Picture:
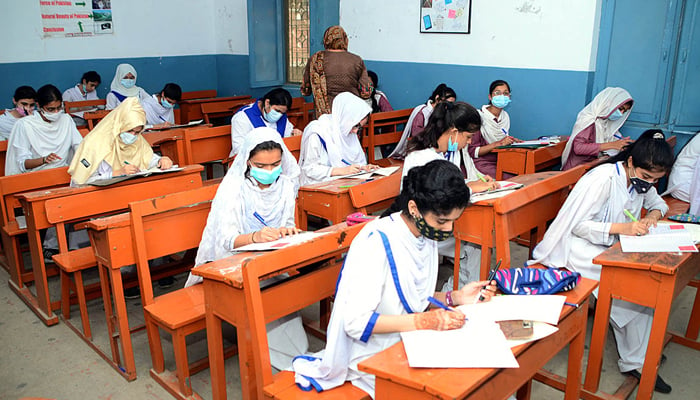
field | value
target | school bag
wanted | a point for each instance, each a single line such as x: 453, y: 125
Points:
x: 536, y: 280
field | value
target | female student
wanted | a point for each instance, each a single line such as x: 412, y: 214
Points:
x: 449, y: 130
x: 123, y: 86
x: 85, y: 90
x: 159, y: 107
x: 390, y: 270
x: 419, y: 117
x: 24, y: 100
x: 380, y: 103
x: 255, y: 203
x: 330, y: 145
x: 593, y: 216
x: 116, y: 147
x: 597, y: 128
x: 45, y: 139
x: 270, y: 110
x: 681, y: 179
x: 495, y: 128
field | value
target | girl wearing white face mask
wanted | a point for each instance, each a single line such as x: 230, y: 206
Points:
x: 115, y: 147
x: 123, y: 86
x: 159, y: 107
x: 270, y: 110
x: 46, y: 139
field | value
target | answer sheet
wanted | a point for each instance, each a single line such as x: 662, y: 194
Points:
x: 660, y: 239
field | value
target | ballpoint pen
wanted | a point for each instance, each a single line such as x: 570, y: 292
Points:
x: 492, y: 275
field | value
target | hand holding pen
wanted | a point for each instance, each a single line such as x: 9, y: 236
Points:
x: 128, y: 169
x: 487, y: 290
x: 268, y: 233
x: 440, y: 319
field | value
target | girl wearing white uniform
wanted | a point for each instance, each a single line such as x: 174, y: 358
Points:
x: 330, y: 146
x: 591, y: 219
x: 85, y: 90
x: 123, y: 86
x: 255, y: 203
x: 46, y: 139
x: 159, y: 107
x: 390, y: 270
x: 681, y: 180
x: 115, y: 147
x: 270, y: 110
x: 446, y: 136
x: 419, y: 118
x: 24, y: 100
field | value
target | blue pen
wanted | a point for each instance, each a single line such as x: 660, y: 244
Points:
x: 617, y: 136
x: 345, y: 162
x: 161, y: 118
x: 504, y: 131
x: 574, y: 305
x: 259, y: 218
x: 438, y: 303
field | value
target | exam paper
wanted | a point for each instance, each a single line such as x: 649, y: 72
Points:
x: 660, y: 239
x: 544, y: 308
x: 386, y: 171
x: 505, y: 188
x: 281, y: 243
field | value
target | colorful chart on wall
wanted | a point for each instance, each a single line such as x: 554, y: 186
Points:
x: 76, y: 18
x: 445, y: 16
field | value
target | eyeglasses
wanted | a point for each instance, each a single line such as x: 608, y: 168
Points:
x: 498, y: 93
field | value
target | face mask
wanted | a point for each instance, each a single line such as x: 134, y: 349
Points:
x: 264, y: 176
x: 84, y: 88
x: 273, y: 115
x: 128, y: 83
x: 452, y: 147
x: 21, y: 111
x: 429, y: 232
x: 500, y: 101
x: 52, y: 117
x: 615, y: 115
x: 165, y: 103
x: 639, y: 184
x: 127, y: 138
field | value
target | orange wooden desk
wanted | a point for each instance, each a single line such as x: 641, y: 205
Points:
x: 225, y: 297
x: 191, y: 110
x: 652, y: 280
x: 34, y: 208
x: 520, y: 161
x: 396, y: 380
x: 3, y: 155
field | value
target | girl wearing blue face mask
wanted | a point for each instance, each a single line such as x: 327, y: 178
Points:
x: 159, y: 107
x: 270, y: 111
x: 123, y: 86
x: 590, y: 221
x: 596, y: 131
x: 495, y: 128
x: 115, y: 147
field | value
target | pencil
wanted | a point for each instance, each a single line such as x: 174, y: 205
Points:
x: 630, y: 216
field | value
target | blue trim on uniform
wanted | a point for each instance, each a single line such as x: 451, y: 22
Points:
x: 394, y: 272
x: 118, y: 95
x: 313, y: 384
x: 256, y: 118
x: 369, y: 328
x: 323, y: 143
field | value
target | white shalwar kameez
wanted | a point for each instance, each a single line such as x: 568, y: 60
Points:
x: 328, y: 142
x: 233, y: 213
x: 580, y: 232
x: 7, y: 122
x: 74, y: 94
x: 155, y: 112
x: 402, y: 146
x: 241, y: 125
x: 366, y: 290
x: 681, y: 177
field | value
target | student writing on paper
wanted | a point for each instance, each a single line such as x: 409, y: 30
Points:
x: 115, y: 147
x: 596, y: 130
x: 590, y: 221
x: 495, y: 128
x: 330, y: 145
x: 123, y: 86
x: 159, y: 107
x: 388, y: 275
x: 270, y: 110
x: 420, y: 116
x: 683, y: 180
x: 24, y: 101
x: 255, y: 203
x: 85, y: 90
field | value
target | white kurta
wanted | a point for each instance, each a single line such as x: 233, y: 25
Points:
x: 580, y: 232
x: 7, y: 121
x: 681, y: 177
x: 74, y: 94
x: 241, y: 125
x: 401, y: 147
x: 155, y: 112
x: 367, y: 289
x: 113, y: 101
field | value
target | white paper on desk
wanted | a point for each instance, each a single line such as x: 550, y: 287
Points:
x: 505, y: 188
x: 476, y: 345
x: 693, y: 229
x: 529, y: 143
x: 539, y: 330
x: 544, y: 308
x: 282, y: 243
x: 156, y: 170
x: 21, y: 221
x: 660, y: 239
x: 386, y: 171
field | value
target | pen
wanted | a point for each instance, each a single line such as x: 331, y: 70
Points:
x: 438, y: 303
x: 345, y: 162
x: 630, y: 216
x: 481, y: 177
x: 504, y: 131
x: 259, y: 218
x: 574, y: 305
x: 492, y: 275
x: 161, y: 118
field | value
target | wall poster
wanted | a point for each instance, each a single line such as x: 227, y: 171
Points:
x: 62, y: 18
x: 445, y: 16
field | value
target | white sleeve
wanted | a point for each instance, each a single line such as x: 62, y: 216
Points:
x: 652, y: 201
x: 240, y: 126
x: 112, y: 101
x: 20, y: 146
x: 154, y: 161
x: 288, y: 129
x: 589, y: 228
x: 104, y: 171
x: 171, y: 116
x: 316, y: 165
x: 695, y: 190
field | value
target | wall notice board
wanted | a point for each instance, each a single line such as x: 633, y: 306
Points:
x: 62, y: 18
x: 445, y: 16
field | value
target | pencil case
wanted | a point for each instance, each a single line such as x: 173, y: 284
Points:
x: 358, y: 218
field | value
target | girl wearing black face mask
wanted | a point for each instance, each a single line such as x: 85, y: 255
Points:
x: 593, y: 216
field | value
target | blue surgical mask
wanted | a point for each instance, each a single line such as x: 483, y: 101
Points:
x: 265, y: 176
x: 165, y: 103
x: 84, y: 88
x: 500, y: 101
x: 128, y: 83
x: 127, y: 137
x: 452, y: 147
x: 273, y: 115
x: 615, y: 115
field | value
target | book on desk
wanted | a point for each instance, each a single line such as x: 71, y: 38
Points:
x: 141, y: 174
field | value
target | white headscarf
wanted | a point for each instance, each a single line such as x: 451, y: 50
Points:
x: 239, y: 197
x: 44, y: 138
x: 400, y: 150
x: 335, y: 130
x: 598, y: 111
x: 124, y: 69
x: 492, y: 130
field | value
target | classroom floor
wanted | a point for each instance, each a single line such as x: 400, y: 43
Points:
x: 52, y: 362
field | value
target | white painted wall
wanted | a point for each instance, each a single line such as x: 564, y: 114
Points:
x: 542, y: 34
x: 231, y: 26
x: 142, y: 28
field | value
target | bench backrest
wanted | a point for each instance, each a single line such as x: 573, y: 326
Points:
x: 293, y: 143
x: 377, y: 194
x: 3, y: 156
x: 198, y: 94
x: 301, y: 113
x: 222, y: 109
x: 94, y: 117
x: 28, y: 182
x: 384, y: 128
x: 71, y: 106
x: 205, y: 145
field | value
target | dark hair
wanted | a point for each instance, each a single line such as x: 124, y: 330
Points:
x: 375, y: 81
x: 172, y: 91
x: 24, y: 92
x: 445, y: 116
x: 496, y: 83
x: 91, y: 76
x: 436, y: 187
x: 263, y: 146
x: 48, y: 94
x: 650, y: 152
x: 278, y: 97
x: 442, y: 92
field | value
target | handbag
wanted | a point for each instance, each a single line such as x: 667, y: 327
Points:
x: 536, y: 280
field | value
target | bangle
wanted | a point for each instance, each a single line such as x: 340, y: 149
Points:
x: 43, y: 160
x: 448, y: 299
x: 252, y: 237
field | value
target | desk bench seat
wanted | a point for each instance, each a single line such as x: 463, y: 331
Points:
x: 178, y: 308
x: 284, y: 387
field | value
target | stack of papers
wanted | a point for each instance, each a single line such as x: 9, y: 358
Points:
x: 660, y: 239
x: 386, y: 171
x: 506, y: 187
x: 281, y: 243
